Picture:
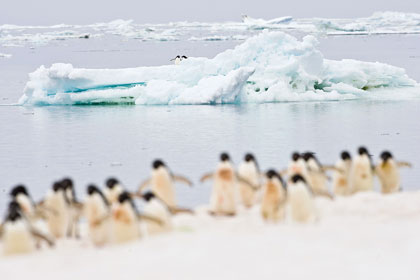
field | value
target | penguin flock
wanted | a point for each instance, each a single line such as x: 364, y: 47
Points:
x: 112, y: 216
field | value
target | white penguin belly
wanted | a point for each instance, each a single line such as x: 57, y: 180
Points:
x: 17, y: 239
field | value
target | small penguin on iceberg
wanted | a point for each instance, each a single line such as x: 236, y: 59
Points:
x: 177, y: 60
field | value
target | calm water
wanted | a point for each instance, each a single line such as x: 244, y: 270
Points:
x: 90, y: 143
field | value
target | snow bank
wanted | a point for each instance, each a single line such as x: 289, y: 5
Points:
x: 270, y: 67
x: 366, y: 236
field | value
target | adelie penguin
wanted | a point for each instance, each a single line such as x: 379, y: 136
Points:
x: 155, y: 207
x: 18, y: 235
x: 249, y: 170
x: 224, y: 197
x: 21, y: 195
x: 75, y: 208
x: 177, y: 60
x: 341, y: 174
x: 162, y: 182
x: 97, y: 211
x: 388, y: 172
x: 297, y: 165
x: 125, y: 219
x: 58, y: 219
x: 300, y: 200
x: 316, y: 176
x: 361, y: 174
x: 113, y: 189
x: 274, y: 197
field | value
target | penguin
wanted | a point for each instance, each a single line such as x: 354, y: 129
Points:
x: 224, y: 197
x: 297, y: 165
x: 341, y: 174
x: 59, y: 218
x: 316, y: 176
x: 113, y: 190
x: 75, y: 208
x: 125, y: 226
x: 274, y: 197
x: 300, y: 200
x: 162, y: 182
x: 157, y: 208
x: 19, y: 237
x: 21, y: 195
x: 97, y: 212
x: 177, y: 60
x: 361, y: 174
x: 388, y: 172
x: 249, y: 170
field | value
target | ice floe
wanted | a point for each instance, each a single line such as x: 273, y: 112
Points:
x: 270, y: 67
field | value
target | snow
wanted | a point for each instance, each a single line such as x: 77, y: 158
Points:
x: 269, y: 67
x: 365, y: 236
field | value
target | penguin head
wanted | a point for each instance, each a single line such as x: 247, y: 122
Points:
x: 298, y: 178
x: 295, y: 156
x: 386, y: 155
x: 271, y: 174
x: 308, y: 155
x: 345, y: 155
x: 148, y: 196
x: 111, y: 183
x: 363, y: 151
x: 13, y: 212
x: 67, y: 183
x: 224, y: 157
x: 19, y: 189
x: 249, y: 157
x: 92, y: 189
x: 184, y: 57
x: 57, y: 186
x: 158, y: 163
x: 178, y: 56
x: 124, y: 197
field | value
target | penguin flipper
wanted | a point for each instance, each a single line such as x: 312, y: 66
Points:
x: 283, y: 172
x: 177, y: 210
x: 246, y: 182
x: 324, y: 193
x: 206, y: 177
x: 150, y: 218
x: 144, y: 184
x: 325, y: 168
x: 36, y: 233
x: 404, y: 164
x: 182, y: 179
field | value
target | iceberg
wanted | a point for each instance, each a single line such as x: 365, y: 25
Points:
x: 269, y: 67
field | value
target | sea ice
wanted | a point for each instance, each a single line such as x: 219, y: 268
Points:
x: 270, y: 67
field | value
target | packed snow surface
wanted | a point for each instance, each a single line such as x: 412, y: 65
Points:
x: 365, y: 236
x: 378, y: 23
x: 269, y: 67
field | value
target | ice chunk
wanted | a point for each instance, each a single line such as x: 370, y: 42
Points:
x: 270, y: 67
x: 5, y: 55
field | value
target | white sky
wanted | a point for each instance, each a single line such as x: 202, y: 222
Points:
x: 90, y: 11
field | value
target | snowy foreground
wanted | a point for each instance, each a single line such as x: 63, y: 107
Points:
x: 366, y: 236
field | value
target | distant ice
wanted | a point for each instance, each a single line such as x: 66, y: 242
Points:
x: 378, y: 23
x: 5, y: 55
x: 270, y: 67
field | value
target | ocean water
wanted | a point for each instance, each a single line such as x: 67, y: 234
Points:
x: 90, y: 143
